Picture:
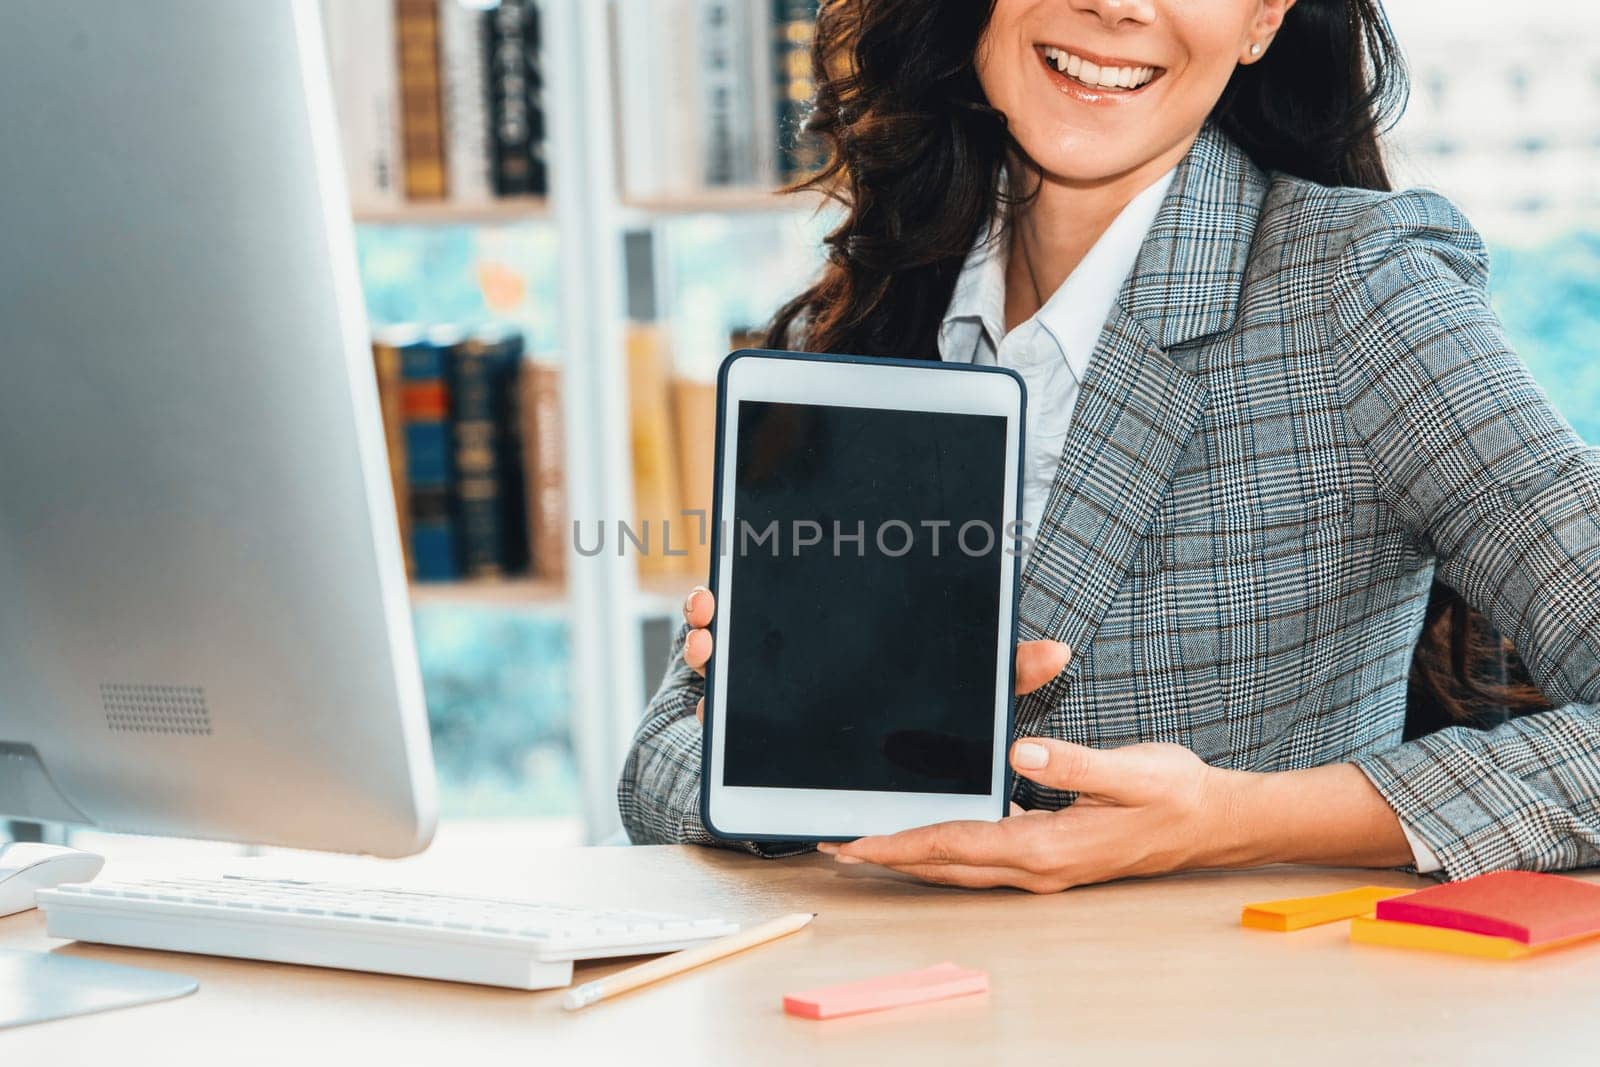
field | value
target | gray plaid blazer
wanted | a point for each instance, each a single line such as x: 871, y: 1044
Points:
x: 1300, y: 407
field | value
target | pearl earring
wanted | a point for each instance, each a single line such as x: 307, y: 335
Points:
x: 1255, y: 49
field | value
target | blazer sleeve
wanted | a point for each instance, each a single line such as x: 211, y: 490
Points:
x: 1468, y: 452
x: 659, y: 791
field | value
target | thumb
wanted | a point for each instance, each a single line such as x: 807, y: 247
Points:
x: 1038, y: 662
x: 1063, y: 765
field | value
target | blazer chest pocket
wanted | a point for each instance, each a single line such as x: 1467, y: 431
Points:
x: 1232, y: 611
x: 1185, y: 539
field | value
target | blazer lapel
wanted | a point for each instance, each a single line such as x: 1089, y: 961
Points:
x: 1137, y: 407
x: 1135, y: 412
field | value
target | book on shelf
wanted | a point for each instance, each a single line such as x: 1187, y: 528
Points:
x: 738, y: 144
x: 386, y: 359
x: 477, y: 477
x: 421, y: 103
x: 799, y: 153
x: 704, y: 92
x: 430, y: 465
x: 723, y: 151
x: 544, y: 468
x: 515, y: 80
x: 672, y: 407
x: 464, y: 96
x: 438, y: 100
x: 657, y: 492
x: 694, y: 425
x: 366, y: 91
x: 653, y: 88
x: 487, y: 433
x: 509, y: 365
x: 475, y: 451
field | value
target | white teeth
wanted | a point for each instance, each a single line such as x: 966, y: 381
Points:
x: 1080, y: 69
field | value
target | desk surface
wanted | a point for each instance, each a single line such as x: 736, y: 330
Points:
x: 1124, y: 973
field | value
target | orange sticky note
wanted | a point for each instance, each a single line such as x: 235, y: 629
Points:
x: 889, y: 991
x: 1297, y: 913
x: 1519, y: 905
x: 1442, y: 939
x: 1370, y: 931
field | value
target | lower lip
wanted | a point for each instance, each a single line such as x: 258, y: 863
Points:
x: 1083, y: 94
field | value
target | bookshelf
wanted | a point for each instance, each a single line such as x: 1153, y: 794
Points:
x: 724, y: 201
x: 657, y: 597
x: 512, y: 593
x: 451, y: 213
x: 614, y: 617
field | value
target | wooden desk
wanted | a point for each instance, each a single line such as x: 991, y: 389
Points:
x: 1137, y: 972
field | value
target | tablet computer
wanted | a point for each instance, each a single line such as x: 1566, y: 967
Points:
x: 865, y: 562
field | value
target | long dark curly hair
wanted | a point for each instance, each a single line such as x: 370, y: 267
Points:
x: 915, y: 155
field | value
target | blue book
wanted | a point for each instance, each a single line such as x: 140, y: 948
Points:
x: 425, y: 406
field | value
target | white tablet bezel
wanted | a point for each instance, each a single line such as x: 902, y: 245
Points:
x: 761, y: 813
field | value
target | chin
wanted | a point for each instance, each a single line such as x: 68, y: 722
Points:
x: 1084, y: 159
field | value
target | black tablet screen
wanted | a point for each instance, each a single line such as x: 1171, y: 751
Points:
x: 867, y: 547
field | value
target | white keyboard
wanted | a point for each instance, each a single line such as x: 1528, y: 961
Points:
x: 511, y: 943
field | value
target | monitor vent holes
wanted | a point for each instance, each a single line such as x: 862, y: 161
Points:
x: 156, y: 709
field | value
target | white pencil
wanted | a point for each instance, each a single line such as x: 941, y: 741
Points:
x: 667, y: 966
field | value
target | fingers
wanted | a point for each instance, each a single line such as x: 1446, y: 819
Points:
x: 697, y: 650
x: 1063, y: 765
x: 1038, y: 662
x: 962, y: 876
x: 698, y: 608
x: 982, y: 844
x: 968, y: 855
x: 700, y: 710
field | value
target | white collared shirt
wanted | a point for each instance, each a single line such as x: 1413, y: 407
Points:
x: 1051, y: 350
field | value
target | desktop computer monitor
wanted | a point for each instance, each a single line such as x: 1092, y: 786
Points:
x: 204, y: 622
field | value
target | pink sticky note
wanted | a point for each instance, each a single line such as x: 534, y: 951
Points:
x: 1524, y: 906
x: 889, y: 991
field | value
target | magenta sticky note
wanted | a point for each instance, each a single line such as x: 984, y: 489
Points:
x: 889, y: 991
x: 1524, y: 906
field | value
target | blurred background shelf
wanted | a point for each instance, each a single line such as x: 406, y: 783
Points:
x: 450, y: 213
x: 507, y: 593
x: 725, y: 201
x: 656, y: 598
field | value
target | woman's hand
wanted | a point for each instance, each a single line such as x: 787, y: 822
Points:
x: 1037, y: 661
x: 1145, y: 810
x: 1141, y: 810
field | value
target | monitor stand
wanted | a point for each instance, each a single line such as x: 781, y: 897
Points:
x: 36, y: 987
x: 26, y: 786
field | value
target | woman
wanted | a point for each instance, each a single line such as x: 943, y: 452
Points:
x: 1268, y: 402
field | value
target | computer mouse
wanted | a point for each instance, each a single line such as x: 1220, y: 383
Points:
x: 26, y: 868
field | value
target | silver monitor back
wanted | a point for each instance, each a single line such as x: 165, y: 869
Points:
x: 204, y: 621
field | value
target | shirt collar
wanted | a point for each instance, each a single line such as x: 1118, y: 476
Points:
x: 1076, y: 312
x: 979, y: 298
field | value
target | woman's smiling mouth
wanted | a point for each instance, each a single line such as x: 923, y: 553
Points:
x: 1095, y: 74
